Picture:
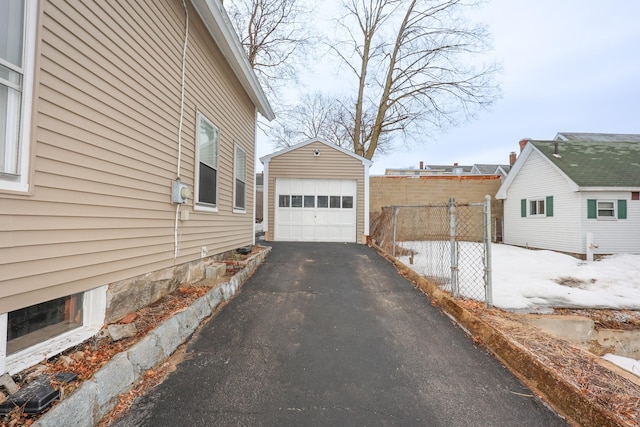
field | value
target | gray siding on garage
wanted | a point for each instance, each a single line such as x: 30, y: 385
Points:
x: 330, y: 164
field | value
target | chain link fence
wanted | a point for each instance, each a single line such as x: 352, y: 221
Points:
x: 449, y: 244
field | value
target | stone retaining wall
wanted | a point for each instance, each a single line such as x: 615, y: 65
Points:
x: 96, y: 397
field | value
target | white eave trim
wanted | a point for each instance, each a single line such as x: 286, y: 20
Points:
x: 610, y: 189
x: 515, y: 169
x: 364, y: 160
x: 219, y: 26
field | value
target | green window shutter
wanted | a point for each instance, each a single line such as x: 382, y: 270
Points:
x: 523, y: 208
x: 549, y: 206
x: 591, y: 208
x: 622, y: 209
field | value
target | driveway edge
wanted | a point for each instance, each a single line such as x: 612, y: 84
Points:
x: 97, y: 396
x: 561, y: 395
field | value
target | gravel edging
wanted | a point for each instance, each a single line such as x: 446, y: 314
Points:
x: 96, y: 397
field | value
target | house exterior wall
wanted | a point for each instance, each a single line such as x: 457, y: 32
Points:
x: 611, y: 236
x: 330, y: 164
x: 105, y: 150
x: 561, y: 232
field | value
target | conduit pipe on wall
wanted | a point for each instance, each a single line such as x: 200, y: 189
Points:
x: 182, y: 86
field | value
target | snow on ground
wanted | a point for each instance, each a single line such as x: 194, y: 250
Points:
x: 526, y: 280
x: 630, y: 365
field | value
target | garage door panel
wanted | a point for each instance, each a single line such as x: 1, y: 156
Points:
x: 316, y: 211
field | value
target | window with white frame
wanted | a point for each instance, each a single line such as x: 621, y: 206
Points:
x: 536, y: 207
x: 17, y: 23
x: 207, y: 164
x: 240, y: 179
x: 50, y: 327
x: 607, y: 209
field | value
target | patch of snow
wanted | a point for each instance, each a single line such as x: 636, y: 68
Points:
x: 526, y: 279
x: 630, y: 365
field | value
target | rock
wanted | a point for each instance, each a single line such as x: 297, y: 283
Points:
x: 118, y: 332
x: 7, y: 382
x: 66, y: 360
x: 129, y: 318
x: 78, y: 355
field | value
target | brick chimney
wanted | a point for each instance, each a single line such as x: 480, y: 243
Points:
x: 512, y: 158
x: 523, y: 142
x: 421, y: 164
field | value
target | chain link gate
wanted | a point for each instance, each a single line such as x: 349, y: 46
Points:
x: 449, y: 244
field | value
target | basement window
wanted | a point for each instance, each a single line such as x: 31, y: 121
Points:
x: 40, y: 322
x: 29, y: 334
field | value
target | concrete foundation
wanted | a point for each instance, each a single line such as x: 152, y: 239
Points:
x: 129, y: 295
x: 582, y: 332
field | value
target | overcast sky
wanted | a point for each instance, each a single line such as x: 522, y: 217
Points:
x: 568, y: 66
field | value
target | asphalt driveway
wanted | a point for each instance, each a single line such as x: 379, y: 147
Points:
x: 330, y: 334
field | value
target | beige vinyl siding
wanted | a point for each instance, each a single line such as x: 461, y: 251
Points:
x: 106, y: 147
x: 330, y: 164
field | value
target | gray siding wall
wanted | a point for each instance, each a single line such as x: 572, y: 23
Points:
x: 331, y: 164
x: 105, y: 150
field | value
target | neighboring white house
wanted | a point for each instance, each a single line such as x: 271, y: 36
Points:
x: 558, y: 192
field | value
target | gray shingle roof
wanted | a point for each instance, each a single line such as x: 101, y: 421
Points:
x: 596, y: 163
x: 599, y: 137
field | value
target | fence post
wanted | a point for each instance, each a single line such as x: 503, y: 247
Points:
x: 488, y: 286
x: 452, y: 244
x: 395, y: 216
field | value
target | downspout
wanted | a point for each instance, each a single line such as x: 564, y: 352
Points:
x: 265, y: 200
x: 365, y: 236
x: 255, y: 157
x: 182, y: 85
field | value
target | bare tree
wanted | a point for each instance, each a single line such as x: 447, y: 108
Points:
x: 317, y: 115
x: 413, y: 61
x: 274, y: 35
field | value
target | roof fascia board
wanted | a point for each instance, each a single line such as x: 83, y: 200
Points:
x: 221, y: 30
x: 515, y: 169
x: 610, y: 188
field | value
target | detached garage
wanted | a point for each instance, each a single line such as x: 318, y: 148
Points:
x: 316, y: 191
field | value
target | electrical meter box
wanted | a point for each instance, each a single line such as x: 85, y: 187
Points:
x: 180, y: 192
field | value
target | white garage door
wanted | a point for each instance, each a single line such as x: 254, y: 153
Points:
x: 322, y: 210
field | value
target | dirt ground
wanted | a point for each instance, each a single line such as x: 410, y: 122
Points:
x: 601, y: 385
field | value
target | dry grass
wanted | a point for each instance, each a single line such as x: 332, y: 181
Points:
x: 579, y: 368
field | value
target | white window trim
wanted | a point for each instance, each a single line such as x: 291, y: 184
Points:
x: 235, y: 158
x: 21, y: 184
x: 93, y: 308
x: 197, y: 205
x: 607, y: 218
x: 537, y: 200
